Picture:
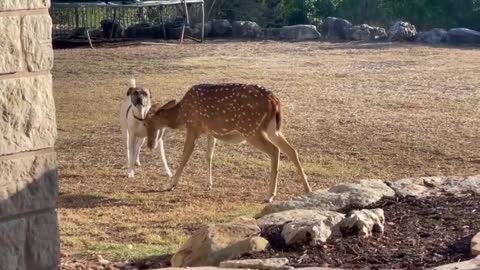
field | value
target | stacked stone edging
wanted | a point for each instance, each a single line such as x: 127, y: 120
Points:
x: 29, y: 237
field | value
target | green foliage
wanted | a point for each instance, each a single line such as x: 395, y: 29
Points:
x: 423, y: 13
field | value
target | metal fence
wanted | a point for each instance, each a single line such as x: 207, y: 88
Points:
x: 95, y: 18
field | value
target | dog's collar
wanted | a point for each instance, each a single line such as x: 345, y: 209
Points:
x: 134, y: 116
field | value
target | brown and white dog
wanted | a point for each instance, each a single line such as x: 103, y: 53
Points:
x: 132, y: 114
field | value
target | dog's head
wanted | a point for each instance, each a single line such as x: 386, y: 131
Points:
x: 140, y: 97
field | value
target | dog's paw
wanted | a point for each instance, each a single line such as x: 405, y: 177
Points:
x: 131, y: 174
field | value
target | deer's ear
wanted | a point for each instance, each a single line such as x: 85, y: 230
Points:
x: 130, y: 91
x: 149, y: 93
x: 169, y: 105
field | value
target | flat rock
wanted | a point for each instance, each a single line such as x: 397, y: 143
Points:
x: 433, y: 186
x: 475, y: 245
x: 360, y: 194
x: 195, y: 268
x: 463, y: 36
x: 215, y: 243
x: 264, y: 264
x: 473, y: 264
x: 433, y: 37
x: 300, y: 215
x: 299, y: 32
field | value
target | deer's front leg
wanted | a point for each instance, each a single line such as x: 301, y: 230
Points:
x: 210, y: 149
x: 187, y: 152
x: 160, y: 136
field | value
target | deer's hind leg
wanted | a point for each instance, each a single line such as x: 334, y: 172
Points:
x: 261, y: 142
x: 277, y: 138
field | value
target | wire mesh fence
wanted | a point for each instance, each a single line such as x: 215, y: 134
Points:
x: 110, y: 21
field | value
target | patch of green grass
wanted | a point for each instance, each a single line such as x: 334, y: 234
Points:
x: 120, y: 252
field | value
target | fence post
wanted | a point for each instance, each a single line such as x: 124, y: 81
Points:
x: 77, y: 18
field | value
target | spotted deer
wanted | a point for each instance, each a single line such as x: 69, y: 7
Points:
x: 228, y: 112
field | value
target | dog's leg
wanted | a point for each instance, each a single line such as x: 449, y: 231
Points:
x: 131, y: 156
x: 126, y: 145
x: 138, y: 146
x: 160, y: 136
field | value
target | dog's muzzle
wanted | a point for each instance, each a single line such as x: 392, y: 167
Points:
x: 140, y: 102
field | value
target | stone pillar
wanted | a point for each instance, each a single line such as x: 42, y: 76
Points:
x: 29, y: 237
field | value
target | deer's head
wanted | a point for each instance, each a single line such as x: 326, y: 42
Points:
x: 157, y: 117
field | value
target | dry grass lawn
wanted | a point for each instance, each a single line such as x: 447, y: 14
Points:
x: 352, y: 111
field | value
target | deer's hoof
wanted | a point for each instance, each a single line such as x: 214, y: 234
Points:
x: 130, y: 174
x: 209, y: 187
x: 138, y: 163
x: 269, y: 199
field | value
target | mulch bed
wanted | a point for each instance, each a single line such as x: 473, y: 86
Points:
x: 419, y: 233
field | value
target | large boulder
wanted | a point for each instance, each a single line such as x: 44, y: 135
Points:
x: 434, y: 37
x: 141, y: 30
x: 221, y: 28
x: 176, y: 32
x: 336, y: 28
x: 197, y: 29
x: 299, y: 33
x: 359, y: 194
x: 365, y: 32
x: 246, y: 29
x: 402, y: 31
x: 111, y: 28
x: 271, y: 33
x: 463, y: 36
x: 213, y: 244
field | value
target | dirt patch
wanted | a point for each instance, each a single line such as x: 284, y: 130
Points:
x: 419, y: 233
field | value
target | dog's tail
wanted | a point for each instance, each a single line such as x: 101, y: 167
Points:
x: 133, y: 83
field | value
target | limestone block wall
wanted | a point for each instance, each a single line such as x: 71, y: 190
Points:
x: 29, y: 237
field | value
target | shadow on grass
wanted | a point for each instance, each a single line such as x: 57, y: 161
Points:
x: 76, y: 201
x: 152, y: 262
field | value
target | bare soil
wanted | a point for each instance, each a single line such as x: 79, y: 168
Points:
x: 419, y: 233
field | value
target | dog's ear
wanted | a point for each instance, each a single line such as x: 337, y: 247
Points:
x: 130, y: 91
x: 168, y: 105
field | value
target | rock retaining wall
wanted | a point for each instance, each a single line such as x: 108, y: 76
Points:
x: 28, y: 170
